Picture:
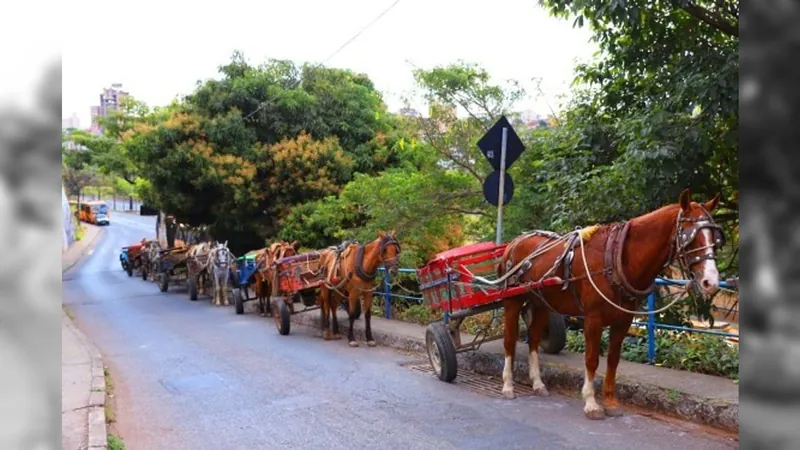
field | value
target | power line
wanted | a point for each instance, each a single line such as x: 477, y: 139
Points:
x: 348, y: 42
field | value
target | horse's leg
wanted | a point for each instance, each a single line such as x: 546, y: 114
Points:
x: 616, y: 337
x: 225, y: 279
x: 367, y: 308
x: 324, y: 300
x: 592, y: 332
x: 540, y: 318
x: 512, y: 308
x: 260, y: 288
x: 334, y: 300
x: 351, y: 309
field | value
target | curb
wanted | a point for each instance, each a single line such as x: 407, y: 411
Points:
x: 96, y: 426
x: 97, y: 432
x: 88, y: 246
x: 715, y: 413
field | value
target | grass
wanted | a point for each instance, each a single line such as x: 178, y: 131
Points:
x: 110, y: 415
x: 115, y: 443
x: 67, y: 312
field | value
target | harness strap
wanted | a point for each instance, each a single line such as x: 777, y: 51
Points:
x: 613, y: 263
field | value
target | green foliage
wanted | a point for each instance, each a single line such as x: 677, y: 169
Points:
x: 699, y: 353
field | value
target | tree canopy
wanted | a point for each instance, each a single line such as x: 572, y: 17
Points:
x: 308, y: 153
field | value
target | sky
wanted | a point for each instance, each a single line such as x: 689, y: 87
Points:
x: 159, y: 50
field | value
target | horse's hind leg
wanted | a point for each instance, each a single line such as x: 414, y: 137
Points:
x: 616, y: 337
x: 324, y: 300
x: 512, y: 308
x: 540, y: 318
x: 333, y: 305
x: 592, y: 332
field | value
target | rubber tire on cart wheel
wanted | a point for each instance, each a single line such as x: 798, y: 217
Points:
x: 554, y: 337
x: 238, y: 301
x: 163, y: 282
x: 280, y: 313
x: 192, y: 286
x: 441, y: 351
x: 129, y: 269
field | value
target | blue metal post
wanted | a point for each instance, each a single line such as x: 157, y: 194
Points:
x: 387, y: 294
x: 651, y: 329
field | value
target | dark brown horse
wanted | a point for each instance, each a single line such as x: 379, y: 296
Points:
x: 350, y: 272
x: 622, y: 261
x: 262, y: 280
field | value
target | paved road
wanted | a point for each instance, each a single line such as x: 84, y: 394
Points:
x: 192, y: 376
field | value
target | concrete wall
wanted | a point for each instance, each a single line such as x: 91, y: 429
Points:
x: 66, y: 221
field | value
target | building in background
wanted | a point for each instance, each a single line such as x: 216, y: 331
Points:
x: 71, y: 123
x: 110, y: 100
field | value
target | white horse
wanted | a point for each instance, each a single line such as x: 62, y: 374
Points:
x: 220, y: 259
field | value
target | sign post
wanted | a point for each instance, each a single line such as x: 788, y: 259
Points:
x: 502, y: 147
x: 500, y: 198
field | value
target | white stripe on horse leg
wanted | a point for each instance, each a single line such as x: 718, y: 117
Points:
x: 591, y: 407
x: 536, y: 376
x: 508, y: 379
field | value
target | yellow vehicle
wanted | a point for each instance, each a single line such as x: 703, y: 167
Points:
x: 95, y: 212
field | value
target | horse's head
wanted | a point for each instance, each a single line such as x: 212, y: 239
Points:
x: 389, y: 251
x: 288, y: 249
x: 221, y: 254
x: 697, y: 240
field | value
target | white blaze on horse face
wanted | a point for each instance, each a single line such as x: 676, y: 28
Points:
x: 508, y: 379
x: 709, y: 280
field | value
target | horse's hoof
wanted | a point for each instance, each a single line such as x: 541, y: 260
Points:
x: 508, y: 394
x: 327, y: 336
x: 372, y: 343
x: 336, y: 337
x: 595, y: 414
x: 615, y: 411
x: 353, y: 344
x: 541, y: 391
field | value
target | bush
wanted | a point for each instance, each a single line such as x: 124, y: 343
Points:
x: 710, y: 355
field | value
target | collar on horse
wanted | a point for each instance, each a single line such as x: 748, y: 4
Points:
x: 385, y: 241
x: 678, y: 249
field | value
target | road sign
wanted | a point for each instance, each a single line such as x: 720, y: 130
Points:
x: 491, y: 188
x: 491, y: 142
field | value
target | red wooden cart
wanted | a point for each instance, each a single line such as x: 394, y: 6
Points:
x: 460, y: 282
x: 296, y: 279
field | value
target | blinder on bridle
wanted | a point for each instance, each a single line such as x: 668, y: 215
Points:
x: 389, y: 263
x: 686, y: 235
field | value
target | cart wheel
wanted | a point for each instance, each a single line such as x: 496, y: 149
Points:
x: 554, y: 337
x: 192, y: 285
x: 163, y: 282
x: 238, y: 301
x: 122, y: 262
x: 129, y: 269
x: 441, y: 351
x: 144, y: 273
x: 280, y: 313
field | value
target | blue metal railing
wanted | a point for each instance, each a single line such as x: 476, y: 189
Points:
x: 650, y: 324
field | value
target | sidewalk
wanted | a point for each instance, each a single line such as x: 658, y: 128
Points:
x: 699, y: 398
x: 83, y: 420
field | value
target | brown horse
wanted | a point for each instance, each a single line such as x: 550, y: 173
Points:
x: 622, y: 261
x: 350, y: 272
x: 262, y: 280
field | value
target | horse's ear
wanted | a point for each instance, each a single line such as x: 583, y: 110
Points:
x: 686, y: 200
x: 294, y: 244
x: 381, y: 234
x: 394, y: 232
x: 225, y: 244
x: 712, y: 204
